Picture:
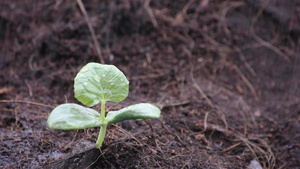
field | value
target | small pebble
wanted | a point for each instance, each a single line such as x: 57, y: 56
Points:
x: 254, y: 165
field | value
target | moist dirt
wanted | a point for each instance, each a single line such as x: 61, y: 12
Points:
x: 226, y: 75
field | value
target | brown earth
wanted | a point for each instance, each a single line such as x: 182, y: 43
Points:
x: 226, y: 75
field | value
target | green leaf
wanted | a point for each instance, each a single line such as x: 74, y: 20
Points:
x: 71, y: 116
x: 97, y: 82
x: 136, y: 111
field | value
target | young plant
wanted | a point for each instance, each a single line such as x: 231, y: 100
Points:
x: 93, y: 84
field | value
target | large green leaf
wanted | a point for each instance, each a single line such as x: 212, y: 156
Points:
x: 97, y: 82
x: 71, y: 116
x: 136, y: 111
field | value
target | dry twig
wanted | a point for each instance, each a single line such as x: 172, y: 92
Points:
x: 127, y: 133
x: 205, y: 122
x: 96, y: 43
x: 26, y: 102
x: 4, y: 90
x: 150, y: 13
x: 195, y: 84
x: 263, y: 42
x: 244, y: 78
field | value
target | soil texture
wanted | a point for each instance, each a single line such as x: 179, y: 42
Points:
x: 226, y: 75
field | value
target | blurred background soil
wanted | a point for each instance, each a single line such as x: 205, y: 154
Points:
x: 226, y: 75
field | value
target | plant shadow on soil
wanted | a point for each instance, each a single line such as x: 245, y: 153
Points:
x: 224, y: 73
x: 86, y: 155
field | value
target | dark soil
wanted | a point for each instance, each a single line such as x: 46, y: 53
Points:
x: 226, y: 75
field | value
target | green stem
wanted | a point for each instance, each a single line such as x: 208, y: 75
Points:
x: 103, y: 127
x: 103, y: 111
x: 101, y: 136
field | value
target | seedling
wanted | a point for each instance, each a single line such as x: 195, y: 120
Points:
x: 93, y: 84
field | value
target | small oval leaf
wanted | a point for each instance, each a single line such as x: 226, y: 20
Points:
x: 136, y: 111
x: 71, y: 116
x: 97, y: 82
